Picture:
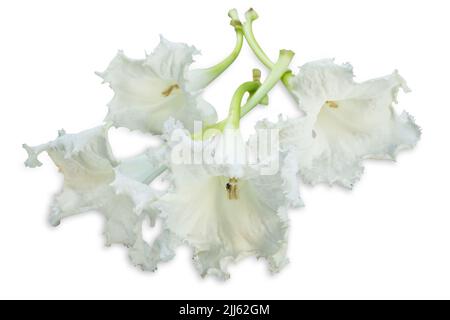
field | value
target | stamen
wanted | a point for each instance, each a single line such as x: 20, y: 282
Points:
x: 331, y: 104
x: 169, y: 90
x: 232, y: 189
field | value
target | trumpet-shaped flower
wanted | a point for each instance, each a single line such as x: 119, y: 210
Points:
x: 149, y: 91
x: 95, y: 181
x: 226, y: 210
x: 345, y: 122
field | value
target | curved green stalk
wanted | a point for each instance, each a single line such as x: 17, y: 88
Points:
x: 247, y: 27
x: 201, y: 78
x: 234, y: 116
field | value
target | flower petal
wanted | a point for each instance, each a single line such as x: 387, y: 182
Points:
x: 141, y: 194
x: 136, y: 199
x: 149, y: 256
x: 171, y: 60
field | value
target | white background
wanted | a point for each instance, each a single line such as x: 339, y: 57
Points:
x: 388, y: 238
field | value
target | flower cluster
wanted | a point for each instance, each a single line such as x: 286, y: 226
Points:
x: 226, y: 198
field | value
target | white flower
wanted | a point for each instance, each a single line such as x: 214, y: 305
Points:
x: 345, y: 122
x: 147, y: 92
x: 226, y: 213
x: 95, y: 181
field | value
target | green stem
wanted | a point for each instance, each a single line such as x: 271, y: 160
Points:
x: 201, y: 78
x: 247, y: 27
x: 234, y: 116
x: 250, y: 16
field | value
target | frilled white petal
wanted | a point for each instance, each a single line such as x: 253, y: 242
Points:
x: 87, y: 164
x: 131, y: 178
x: 278, y: 166
x: 148, y: 256
x: 171, y: 60
x: 94, y: 180
x: 130, y: 187
x: 345, y: 122
x: 149, y: 91
x: 221, y: 230
x: 139, y: 193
